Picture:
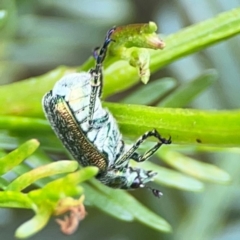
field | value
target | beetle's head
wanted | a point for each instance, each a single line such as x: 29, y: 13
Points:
x: 130, y: 178
x: 139, y: 179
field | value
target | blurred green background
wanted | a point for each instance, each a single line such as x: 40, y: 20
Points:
x: 41, y: 35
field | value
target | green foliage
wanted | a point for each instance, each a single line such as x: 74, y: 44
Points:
x: 43, y: 201
x: 3, y: 16
x: 22, y: 118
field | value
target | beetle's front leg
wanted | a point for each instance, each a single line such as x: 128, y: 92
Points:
x: 97, y: 77
x: 96, y: 85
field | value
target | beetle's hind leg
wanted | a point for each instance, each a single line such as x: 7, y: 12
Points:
x: 132, y: 154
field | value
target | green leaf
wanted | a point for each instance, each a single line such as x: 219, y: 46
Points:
x: 139, y: 211
x: 178, y: 45
x: 106, y: 204
x: 36, y: 223
x: 186, y: 41
x: 23, y: 124
x: 151, y: 92
x: 23, y: 168
x: 216, y: 149
x: 16, y: 200
x: 187, y: 126
x: 17, y: 156
x: 116, y: 80
x: 197, y: 169
x: 44, y: 171
x: 171, y: 178
x: 3, y: 183
x: 189, y: 91
x: 3, y: 17
x: 17, y: 102
x: 65, y: 186
x: 197, y: 37
x: 183, y: 125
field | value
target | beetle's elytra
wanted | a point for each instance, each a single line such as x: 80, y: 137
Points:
x: 89, y: 131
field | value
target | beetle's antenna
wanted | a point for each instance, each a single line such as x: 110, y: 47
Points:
x: 155, y: 192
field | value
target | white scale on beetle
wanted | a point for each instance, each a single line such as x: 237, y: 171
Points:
x: 89, y: 131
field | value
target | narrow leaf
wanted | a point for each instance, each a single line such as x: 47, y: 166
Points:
x: 24, y: 168
x: 3, y: 17
x: 44, y: 171
x: 151, y: 92
x: 197, y: 37
x: 185, y: 42
x: 23, y: 124
x: 3, y: 183
x: 105, y: 204
x: 204, y: 171
x: 28, y: 102
x: 186, y: 126
x: 139, y: 211
x: 17, y: 156
x: 65, y: 186
x: 189, y: 91
x: 12, y: 199
x: 36, y: 223
x: 171, y: 178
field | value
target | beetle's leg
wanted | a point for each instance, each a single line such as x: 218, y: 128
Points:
x: 95, y: 52
x: 97, y: 79
x: 132, y: 154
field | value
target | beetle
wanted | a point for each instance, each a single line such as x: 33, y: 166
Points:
x: 89, y: 131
